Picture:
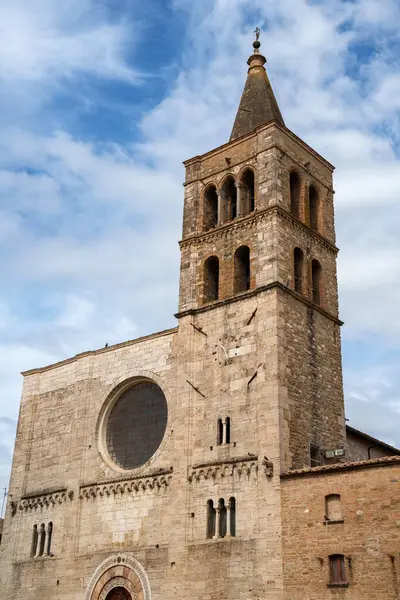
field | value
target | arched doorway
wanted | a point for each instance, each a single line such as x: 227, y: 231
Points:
x: 119, y: 593
x: 119, y: 577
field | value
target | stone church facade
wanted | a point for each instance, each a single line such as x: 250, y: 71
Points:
x: 212, y: 461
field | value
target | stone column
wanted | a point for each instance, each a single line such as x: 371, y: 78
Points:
x: 228, y: 520
x: 220, y: 206
x: 239, y: 198
x: 41, y: 535
x: 46, y: 542
x: 217, y: 522
x: 224, y: 432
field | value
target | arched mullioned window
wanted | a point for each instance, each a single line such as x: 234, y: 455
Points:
x: 210, y: 218
x: 298, y: 259
x: 229, y: 199
x: 49, y: 536
x: 222, y: 518
x: 247, y: 192
x: 313, y: 203
x: 295, y: 190
x: 316, y: 275
x: 241, y: 270
x: 220, y: 432
x: 34, y: 541
x: 211, y: 279
x: 211, y: 519
x: 232, y: 516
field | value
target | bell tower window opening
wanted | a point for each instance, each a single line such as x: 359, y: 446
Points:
x: 229, y: 195
x: 295, y: 188
x: 241, y: 270
x: 211, y: 279
x: 247, y: 194
x: 313, y: 199
x: 210, y: 216
x: 298, y: 270
x: 316, y: 271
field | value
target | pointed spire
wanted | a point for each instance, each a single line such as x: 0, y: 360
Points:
x: 258, y: 105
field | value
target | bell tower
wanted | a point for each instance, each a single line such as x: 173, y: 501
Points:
x: 258, y: 274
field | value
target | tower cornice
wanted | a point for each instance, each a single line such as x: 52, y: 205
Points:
x: 274, y: 285
x: 249, y: 221
x: 255, y: 133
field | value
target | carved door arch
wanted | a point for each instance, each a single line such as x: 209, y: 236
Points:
x: 119, y: 593
x: 119, y: 577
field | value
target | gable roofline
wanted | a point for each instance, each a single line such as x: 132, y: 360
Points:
x: 370, y: 438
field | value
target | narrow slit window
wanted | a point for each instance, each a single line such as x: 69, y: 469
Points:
x: 220, y: 432
x: 228, y: 430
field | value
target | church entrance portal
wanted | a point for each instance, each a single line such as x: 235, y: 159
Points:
x: 119, y: 593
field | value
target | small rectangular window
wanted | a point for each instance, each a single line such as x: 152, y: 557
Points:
x: 315, y: 456
x: 337, y: 570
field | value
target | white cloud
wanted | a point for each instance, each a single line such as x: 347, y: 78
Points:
x: 47, y: 40
x: 99, y: 259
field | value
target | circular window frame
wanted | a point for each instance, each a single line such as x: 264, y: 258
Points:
x: 101, y: 429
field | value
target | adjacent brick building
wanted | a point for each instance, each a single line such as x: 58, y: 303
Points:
x: 188, y: 463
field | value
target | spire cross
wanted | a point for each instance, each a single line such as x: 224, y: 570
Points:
x: 256, y: 43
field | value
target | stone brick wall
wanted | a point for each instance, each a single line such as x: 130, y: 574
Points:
x: 368, y: 535
x: 158, y: 512
x: 311, y: 382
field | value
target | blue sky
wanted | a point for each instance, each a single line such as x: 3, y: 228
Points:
x: 101, y: 101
